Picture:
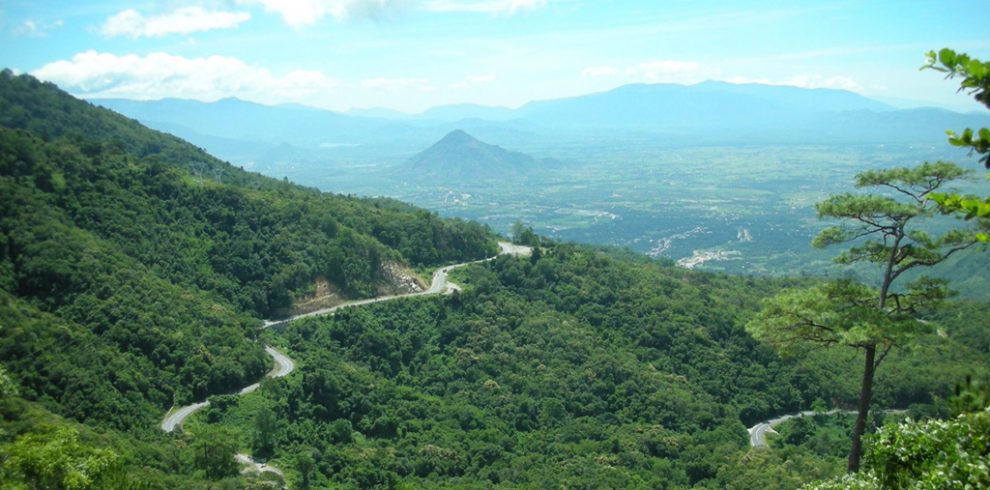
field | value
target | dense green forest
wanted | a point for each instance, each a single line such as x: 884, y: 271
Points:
x: 135, y: 269
x: 577, y: 368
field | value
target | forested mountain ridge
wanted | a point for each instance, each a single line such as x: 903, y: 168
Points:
x: 132, y: 277
x: 279, y: 230
x: 576, y: 367
x: 134, y: 267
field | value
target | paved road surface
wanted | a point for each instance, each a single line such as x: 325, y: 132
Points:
x: 438, y: 285
x: 175, y: 417
x: 758, y: 433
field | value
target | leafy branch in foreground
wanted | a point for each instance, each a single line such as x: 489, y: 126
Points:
x: 882, y: 229
x: 975, y: 76
x: 934, y: 454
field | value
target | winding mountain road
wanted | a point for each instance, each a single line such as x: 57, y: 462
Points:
x: 438, y: 285
x: 284, y: 365
x: 758, y: 433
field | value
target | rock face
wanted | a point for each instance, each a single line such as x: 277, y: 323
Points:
x: 397, y: 279
x: 324, y: 295
x: 459, y: 156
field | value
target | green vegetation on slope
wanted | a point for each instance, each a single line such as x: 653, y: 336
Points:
x: 134, y: 267
x: 569, y: 369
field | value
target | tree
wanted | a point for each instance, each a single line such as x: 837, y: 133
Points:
x: 975, y: 76
x: 213, y: 452
x: 7, y: 386
x: 934, y: 454
x: 265, y: 427
x: 305, y: 464
x: 58, y: 460
x: 883, y: 230
x: 523, y: 235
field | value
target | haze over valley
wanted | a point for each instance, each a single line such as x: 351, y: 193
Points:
x: 714, y: 175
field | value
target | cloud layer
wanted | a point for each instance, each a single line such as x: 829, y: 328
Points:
x: 301, y: 13
x: 158, y: 75
x: 94, y: 74
x: 185, y: 20
x: 483, y: 6
x: 295, y: 13
x: 32, y: 28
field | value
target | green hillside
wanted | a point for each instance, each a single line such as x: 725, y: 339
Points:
x: 572, y: 369
x: 135, y: 269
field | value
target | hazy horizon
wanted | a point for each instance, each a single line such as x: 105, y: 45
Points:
x: 378, y: 111
x: 411, y: 55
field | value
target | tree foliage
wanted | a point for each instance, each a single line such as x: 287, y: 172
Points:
x: 975, y: 75
x: 58, y: 461
x: 887, y: 230
x: 523, y: 235
x: 575, y: 369
x: 929, y: 455
x: 213, y: 453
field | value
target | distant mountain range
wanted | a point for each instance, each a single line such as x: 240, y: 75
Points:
x: 459, y: 156
x: 708, y: 104
x: 705, y: 113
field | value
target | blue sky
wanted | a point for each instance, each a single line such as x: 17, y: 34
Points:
x: 413, y: 54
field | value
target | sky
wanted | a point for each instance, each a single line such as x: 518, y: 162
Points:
x: 409, y: 55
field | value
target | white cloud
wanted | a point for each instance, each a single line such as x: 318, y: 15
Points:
x: 157, y: 75
x: 185, y: 20
x: 300, y: 13
x: 483, y: 6
x: 665, y: 71
x: 33, y: 28
x: 599, y: 71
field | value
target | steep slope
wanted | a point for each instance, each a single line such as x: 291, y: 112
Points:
x: 459, y: 156
x: 567, y: 368
x: 131, y: 278
x: 143, y: 263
